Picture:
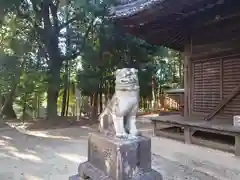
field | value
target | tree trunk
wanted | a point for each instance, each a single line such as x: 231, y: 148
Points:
x: 67, y: 104
x: 153, y: 93
x: 24, y: 109
x: 52, y: 103
x: 8, y: 108
x: 145, y: 103
x: 91, y: 100
x: 38, y: 107
x: 65, y: 91
x: 34, y: 105
x: 94, y: 107
x: 181, y: 57
x: 7, y: 102
x: 162, y: 97
x: 64, y: 111
x: 105, y: 100
x: 108, y: 96
x: 100, y: 94
x: 100, y: 102
x: 64, y: 100
x: 50, y: 38
x: 53, y: 88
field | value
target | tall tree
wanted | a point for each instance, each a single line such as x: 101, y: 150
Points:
x: 45, y: 17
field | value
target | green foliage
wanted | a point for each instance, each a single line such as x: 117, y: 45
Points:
x: 90, y: 49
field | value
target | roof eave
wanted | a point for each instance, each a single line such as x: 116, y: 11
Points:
x: 131, y: 8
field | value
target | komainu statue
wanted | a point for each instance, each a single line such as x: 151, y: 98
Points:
x: 123, y: 107
x: 123, y: 155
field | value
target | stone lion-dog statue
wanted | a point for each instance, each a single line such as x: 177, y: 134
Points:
x: 122, y: 108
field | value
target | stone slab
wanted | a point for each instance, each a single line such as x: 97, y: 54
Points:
x: 90, y: 172
x: 111, y: 158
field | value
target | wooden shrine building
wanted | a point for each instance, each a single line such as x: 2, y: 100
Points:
x: 208, y: 32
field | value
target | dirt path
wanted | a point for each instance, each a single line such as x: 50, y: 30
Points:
x: 55, y: 154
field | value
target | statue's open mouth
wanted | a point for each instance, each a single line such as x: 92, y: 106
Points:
x: 124, y: 80
x: 128, y: 80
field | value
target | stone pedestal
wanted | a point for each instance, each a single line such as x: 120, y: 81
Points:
x: 110, y: 158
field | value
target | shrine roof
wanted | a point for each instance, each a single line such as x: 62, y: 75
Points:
x: 129, y: 8
x: 167, y: 22
x: 126, y: 8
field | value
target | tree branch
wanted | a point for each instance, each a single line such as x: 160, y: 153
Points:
x: 46, y: 15
x: 37, y: 11
x: 75, y: 55
x: 54, y: 8
x: 63, y: 25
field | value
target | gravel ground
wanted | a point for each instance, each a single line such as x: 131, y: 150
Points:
x: 55, y: 154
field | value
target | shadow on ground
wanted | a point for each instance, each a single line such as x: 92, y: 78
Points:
x: 56, y: 154
x: 42, y: 155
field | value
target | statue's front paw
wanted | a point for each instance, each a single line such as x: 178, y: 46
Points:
x: 100, y: 128
x: 121, y: 135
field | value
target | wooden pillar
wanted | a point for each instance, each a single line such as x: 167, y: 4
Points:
x: 187, y: 135
x: 237, y: 145
x: 185, y: 85
x: 187, y: 77
x: 154, y: 128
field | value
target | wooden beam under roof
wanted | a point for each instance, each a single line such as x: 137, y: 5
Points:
x: 187, y: 26
x: 154, y: 10
x: 219, y: 13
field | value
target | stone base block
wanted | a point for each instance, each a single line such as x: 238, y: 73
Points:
x: 111, y: 158
x: 92, y: 173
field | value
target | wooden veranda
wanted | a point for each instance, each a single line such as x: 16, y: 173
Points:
x: 190, y: 129
x: 208, y: 33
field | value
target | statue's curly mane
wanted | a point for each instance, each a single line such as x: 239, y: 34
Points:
x: 126, y: 88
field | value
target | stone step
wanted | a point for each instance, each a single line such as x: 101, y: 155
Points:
x: 171, y: 170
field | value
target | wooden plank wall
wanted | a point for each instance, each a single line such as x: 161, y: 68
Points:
x: 216, y: 70
x: 206, y: 78
x: 231, y: 78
